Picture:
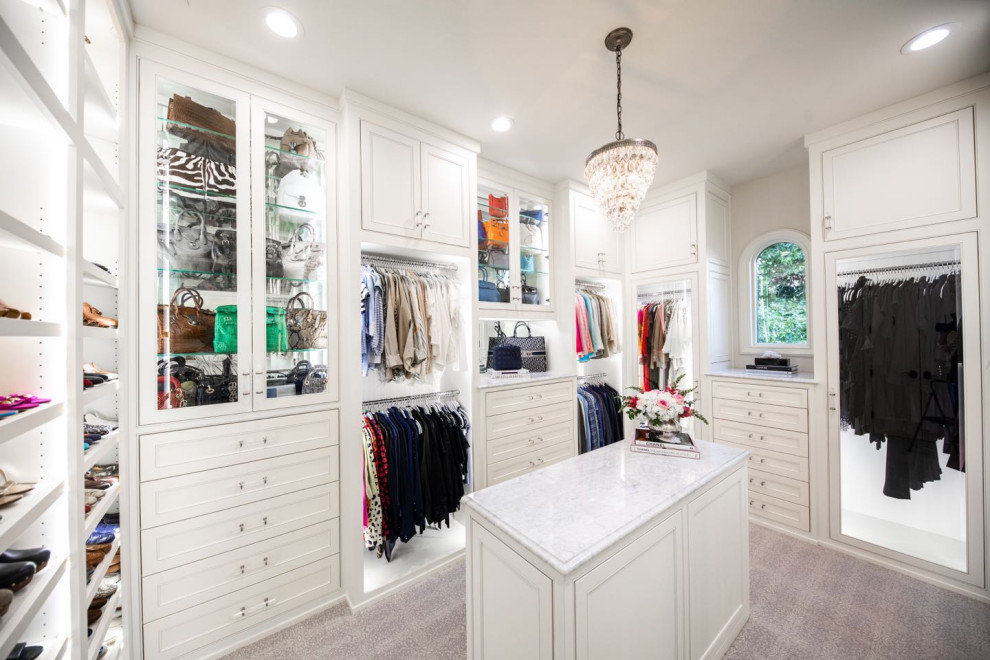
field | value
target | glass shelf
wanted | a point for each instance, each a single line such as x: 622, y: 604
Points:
x: 534, y: 272
x: 292, y: 154
x: 172, y: 122
x: 194, y: 272
x: 297, y: 350
x: 293, y: 279
x: 292, y: 210
x: 172, y: 355
x: 498, y: 268
x: 490, y: 242
x: 529, y: 249
x: 162, y: 187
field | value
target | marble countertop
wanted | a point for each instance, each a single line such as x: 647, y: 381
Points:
x: 569, y: 512
x: 799, y: 377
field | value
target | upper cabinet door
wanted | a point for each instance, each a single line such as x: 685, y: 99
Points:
x: 446, y: 195
x: 194, y: 233
x: 390, y: 182
x: 496, y: 237
x: 596, y: 246
x: 913, y: 176
x: 533, y: 228
x: 666, y: 235
x: 294, y: 263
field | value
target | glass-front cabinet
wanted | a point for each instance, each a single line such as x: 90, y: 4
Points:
x: 514, y: 246
x: 237, y: 246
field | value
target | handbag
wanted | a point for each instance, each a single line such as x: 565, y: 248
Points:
x: 184, y: 329
x: 306, y: 327
x: 188, y: 176
x: 530, y: 294
x: 225, y: 251
x: 298, y: 375
x: 482, y: 236
x: 184, y: 110
x: 534, y: 349
x: 527, y: 263
x: 496, y: 230
x: 225, y: 332
x: 498, y: 207
x: 494, y: 257
x: 220, y: 388
x: 276, y: 334
x: 532, y: 217
x: 170, y: 394
x: 301, y: 190
x: 532, y: 235
x: 187, y: 246
x: 296, y: 143
x: 487, y: 290
x: 302, y: 258
x: 316, y: 381
x: 493, y: 343
x: 506, y: 357
x: 273, y: 258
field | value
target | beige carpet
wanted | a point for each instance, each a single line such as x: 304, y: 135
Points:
x: 807, y: 602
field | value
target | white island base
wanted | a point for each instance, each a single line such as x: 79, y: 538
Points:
x: 611, y: 555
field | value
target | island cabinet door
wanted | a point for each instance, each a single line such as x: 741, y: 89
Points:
x: 632, y: 605
x: 511, y: 603
x: 718, y: 566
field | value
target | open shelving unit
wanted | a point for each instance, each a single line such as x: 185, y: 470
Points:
x: 62, y: 73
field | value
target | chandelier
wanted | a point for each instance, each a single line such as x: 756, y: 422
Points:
x: 620, y: 173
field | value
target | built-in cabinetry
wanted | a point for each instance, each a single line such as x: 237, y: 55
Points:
x: 770, y: 420
x: 599, y: 250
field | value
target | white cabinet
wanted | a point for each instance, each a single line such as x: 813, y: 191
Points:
x: 414, y: 188
x: 914, y: 176
x: 647, y: 578
x: 597, y: 247
x: 512, y: 615
x: 719, y: 321
x: 665, y: 234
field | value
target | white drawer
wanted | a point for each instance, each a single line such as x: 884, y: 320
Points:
x: 784, y: 465
x: 178, y: 589
x: 181, y: 452
x: 785, y: 513
x: 505, y: 470
x: 177, y: 544
x: 794, y: 397
x: 169, y: 500
x: 523, y: 398
x: 778, y: 417
x: 196, y: 627
x: 499, y: 426
x: 761, y: 437
x: 782, y: 488
x: 511, y: 446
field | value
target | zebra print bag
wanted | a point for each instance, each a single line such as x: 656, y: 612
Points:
x: 191, y: 176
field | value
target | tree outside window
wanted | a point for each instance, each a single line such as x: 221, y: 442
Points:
x: 781, y: 305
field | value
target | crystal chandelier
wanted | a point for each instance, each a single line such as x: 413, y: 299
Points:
x: 620, y: 173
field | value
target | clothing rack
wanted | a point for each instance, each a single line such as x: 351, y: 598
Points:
x: 379, y: 404
x: 591, y: 286
x: 893, y: 269
x: 409, y: 264
x: 595, y: 379
x: 682, y: 294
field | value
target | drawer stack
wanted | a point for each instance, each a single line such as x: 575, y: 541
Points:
x: 239, y: 523
x: 527, y: 428
x: 771, y: 422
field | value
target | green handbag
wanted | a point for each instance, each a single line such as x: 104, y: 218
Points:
x: 225, y: 330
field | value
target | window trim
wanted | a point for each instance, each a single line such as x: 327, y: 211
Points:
x: 747, y: 293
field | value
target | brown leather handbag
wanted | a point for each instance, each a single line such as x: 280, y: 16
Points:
x: 183, y: 328
x: 307, y: 327
x: 220, y: 129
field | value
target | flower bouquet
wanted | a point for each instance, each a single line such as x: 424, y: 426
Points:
x: 661, y: 410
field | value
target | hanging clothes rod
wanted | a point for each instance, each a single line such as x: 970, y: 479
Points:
x: 894, y: 269
x: 593, y: 286
x: 661, y: 295
x: 411, y: 264
x: 432, y: 396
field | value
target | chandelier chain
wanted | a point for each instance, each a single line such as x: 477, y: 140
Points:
x: 619, y: 135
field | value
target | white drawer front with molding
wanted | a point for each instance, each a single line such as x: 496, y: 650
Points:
x: 786, y: 513
x: 177, y: 498
x: 179, y: 589
x: 784, y: 465
x: 794, y: 397
x: 761, y: 437
x: 196, y: 627
x: 194, y: 450
x: 177, y: 544
x: 505, y: 470
x: 524, y: 398
x: 780, y: 417
x: 783, y: 488
x: 507, y: 447
x: 499, y: 426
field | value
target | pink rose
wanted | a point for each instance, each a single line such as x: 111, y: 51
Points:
x: 678, y: 398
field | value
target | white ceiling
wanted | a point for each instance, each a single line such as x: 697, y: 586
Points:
x: 726, y: 85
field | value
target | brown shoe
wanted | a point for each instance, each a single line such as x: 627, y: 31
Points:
x: 93, y: 316
x: 8, y: 312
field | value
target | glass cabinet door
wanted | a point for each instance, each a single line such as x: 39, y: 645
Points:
x: 534, y: 251
x: 495, y: 284
x: 294, y: 258
x: 198, y: 242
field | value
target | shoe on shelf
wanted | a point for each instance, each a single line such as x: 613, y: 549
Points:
x: 30, y: 398
x: 8, y: 487
x: 22, y: 651
x: 6, y: 311
x: 93, y: 615
x: 99, y: 420
x: 106, y: 470
x: 17, y: 575
x: 6, y: 598
x: 96, y: 378
x: 16, y: 403
x: 94, y: 317
x: 37, y: 556
x: 91, y: 368
x: 8, y: 413
x: 108, y: 586
x: 98, y: 429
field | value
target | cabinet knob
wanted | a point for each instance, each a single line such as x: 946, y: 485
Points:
x: 540, y: 461
x: 694, y: 249
x: 539, y: 418
x: 264, y: 521
x: 750, y: 436
x: 763, y: 507
x: 241, y: 526
x: 241, y: 485
x: 531, y: 441
x: 751, y: 480
x: 264, y: 481
x: 264, y: 439
x: 240, y: 444
x: 532, y: 464
x: 419, y: 223
x: 762, y: 438
x: 749, y: 412
x: 426, y: 218
x: 752, y: 503
x: 539, y: 439
x: 763, y: 460
x: 530, y: 397
x: 242, y: 569
x: 763, y: 484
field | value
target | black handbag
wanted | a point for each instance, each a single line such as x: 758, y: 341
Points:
x: 506, y: 357
x: 534, y: 349
x: 494, y: 257
x: 299, y: 374
x: 273, y: 258
x: 530, y: 294
x: 225, y: 251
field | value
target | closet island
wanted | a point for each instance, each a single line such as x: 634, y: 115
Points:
x: 611, y: 554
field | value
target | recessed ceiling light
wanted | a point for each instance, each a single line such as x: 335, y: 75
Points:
x: 502, y: 124
x: 928, y: 38
x: 282, y: 23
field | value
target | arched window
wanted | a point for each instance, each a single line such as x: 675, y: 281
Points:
x: 775, y: 276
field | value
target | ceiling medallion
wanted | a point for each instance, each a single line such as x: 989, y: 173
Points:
x: 620, y: 173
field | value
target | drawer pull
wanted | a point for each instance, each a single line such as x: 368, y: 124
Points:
x: 532, y: 464
x: 761, y: 415
x: 264, y: 481
x: 242, y: 569
x: 750, y: 436
x: 265, y: 521
x: 762, y: 438
x: 532, y: 441
x: 530, y: 397
x: 240, y: 443
x: 531, y: 420
x: 241, y: 485
x: 763, y: 460
x: 266, y: 561
x: 539, y: 418
x: 763, y: 484
x: 763, y: 507
x: 540, y: 461
x: 241, y: 526
x: 242, y: 612
x: 539, y: 439
x: 264, y: 439
x: 749, y: 413
x: 752, y: 503
x: 539, y: 396
x: 751, y: 480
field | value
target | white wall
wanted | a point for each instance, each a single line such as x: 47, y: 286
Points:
x: 778, y: 201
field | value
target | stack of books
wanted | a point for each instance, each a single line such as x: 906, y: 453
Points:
x: 679, y: 445
x: 773, y: 365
